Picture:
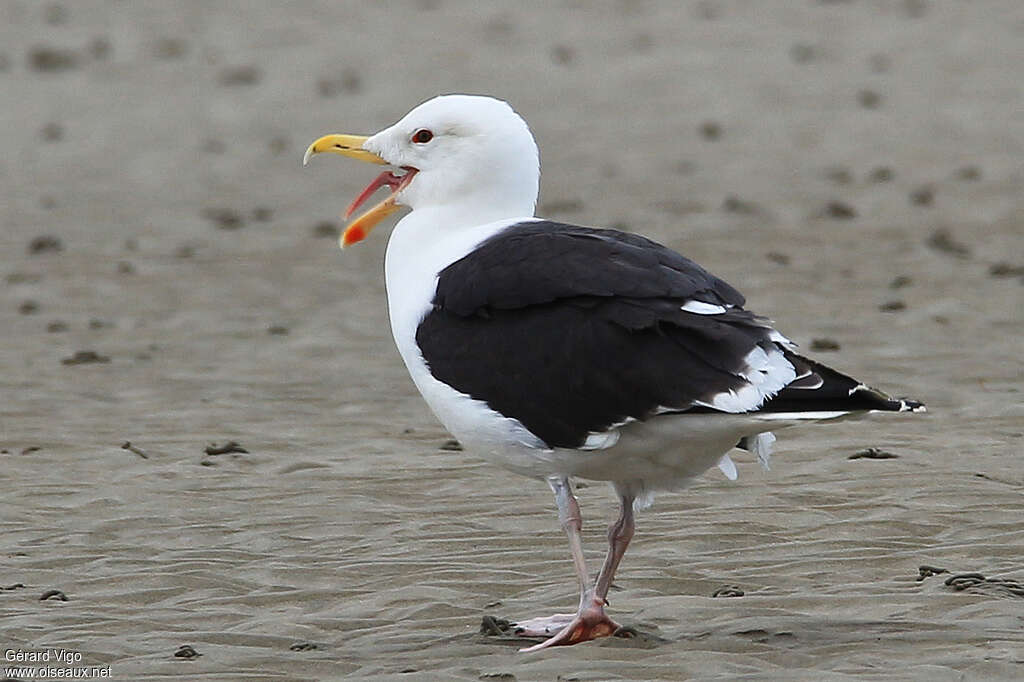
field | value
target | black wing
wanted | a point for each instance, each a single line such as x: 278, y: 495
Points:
x: 572, y: 330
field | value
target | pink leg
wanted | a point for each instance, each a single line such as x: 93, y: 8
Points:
x: 590, y: 621
x: 619, y: 535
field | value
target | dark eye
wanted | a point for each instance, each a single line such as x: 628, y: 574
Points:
x: 422, y: 136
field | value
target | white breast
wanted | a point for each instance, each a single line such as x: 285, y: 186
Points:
x: 422, y: 245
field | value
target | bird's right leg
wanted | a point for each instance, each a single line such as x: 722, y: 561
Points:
x: 572, y: 523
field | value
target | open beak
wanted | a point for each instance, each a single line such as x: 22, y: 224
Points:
x: 352, y: 146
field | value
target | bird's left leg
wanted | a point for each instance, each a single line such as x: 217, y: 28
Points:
x: 590, y: 621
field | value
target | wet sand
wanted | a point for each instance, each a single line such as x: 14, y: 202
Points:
x: 169, y: 281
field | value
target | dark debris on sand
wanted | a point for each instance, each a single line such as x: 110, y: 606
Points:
x: 45, y: 243
x: 928, y: 571
x: 823, y: 345
x: 85, y: 357
x: 942, y: 240
x: 229, y: 447
x: 873, y: 453
x: 187, y: 652
x: 224, y: 218
x: 45, y: 58
x: 979, y: 584
x: 53, y: 594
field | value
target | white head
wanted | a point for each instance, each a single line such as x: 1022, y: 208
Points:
x: 466, y: 151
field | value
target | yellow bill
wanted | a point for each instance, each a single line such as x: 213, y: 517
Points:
x: 351, y: 146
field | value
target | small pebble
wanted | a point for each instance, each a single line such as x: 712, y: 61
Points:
x: 839, y: 175
x: 824, y: 344
x: 278, y: 330
x: 1006, y: 270
x: 224, y: 218
x: 733, y: 204
x: 170, y: 48
x: 881, y: 174
x: 228, y: 448
x: 839, y: 210
x: 968, y: 173
x: 53, y: 594
x: 892, y: 306
x: 45, y: 244
x: 85, y: 357
x: 900, y: 281
x: 452, y: 445
x: 100, y: 48
x: 873, y: 453
x: 326, y: 229
x: 710, y: 130
x: 803, y: 53
x: 262, y: 214
x: 923, y: 196
x: 186, y: 651
x: 41, y: 58
x: 562, y: 54
x: 28, y: 308
x: 57, y: 326
x: 776, y: 257
x: 942, y: 240
x: 52, y: 132
x: 869, y: 99
x: 928, y: 571
x: 240, y: 75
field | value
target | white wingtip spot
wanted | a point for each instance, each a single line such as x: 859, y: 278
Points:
x: 702, y: 308
x: 858, y: 388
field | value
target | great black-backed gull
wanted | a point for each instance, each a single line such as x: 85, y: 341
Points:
x: 560, y: 351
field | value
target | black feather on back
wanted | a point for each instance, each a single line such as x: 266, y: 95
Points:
x: 571, y: 329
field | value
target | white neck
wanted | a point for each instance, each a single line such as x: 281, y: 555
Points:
x: 422, y: 244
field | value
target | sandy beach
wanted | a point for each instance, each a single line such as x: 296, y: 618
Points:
x: 170, y: 280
